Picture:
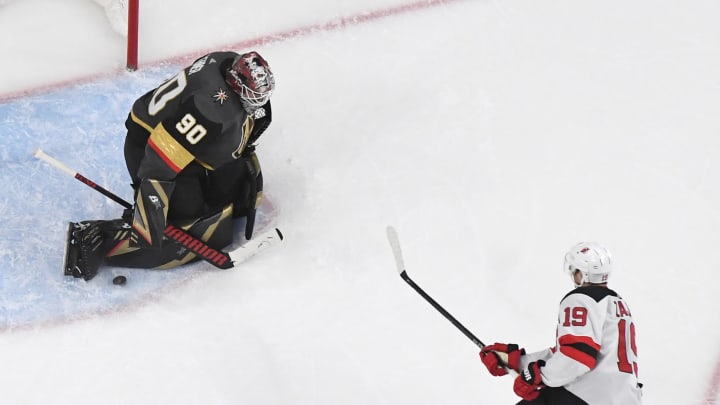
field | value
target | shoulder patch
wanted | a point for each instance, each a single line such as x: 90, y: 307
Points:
x: 594, y: 292
x: 198, y: 65
x: 221, y: 96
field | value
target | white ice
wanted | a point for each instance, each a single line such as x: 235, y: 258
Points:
x: 492, y: 134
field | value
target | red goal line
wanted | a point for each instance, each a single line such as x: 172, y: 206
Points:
x: 132, y: 48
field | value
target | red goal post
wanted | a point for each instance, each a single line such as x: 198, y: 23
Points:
x: 132, y: 34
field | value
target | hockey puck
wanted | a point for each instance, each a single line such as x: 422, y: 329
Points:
x: 119, y: 280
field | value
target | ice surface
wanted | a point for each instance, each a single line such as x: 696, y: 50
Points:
x: 492, y: 135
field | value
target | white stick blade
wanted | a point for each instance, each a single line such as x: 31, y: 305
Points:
x: 53, y: 162
x: 395, y: 246
x: 256, y: 245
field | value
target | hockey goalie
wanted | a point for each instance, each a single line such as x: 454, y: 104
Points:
x: 190, y: 152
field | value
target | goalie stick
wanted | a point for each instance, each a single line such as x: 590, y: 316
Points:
x: 218, y: 258
x: 400, y: 265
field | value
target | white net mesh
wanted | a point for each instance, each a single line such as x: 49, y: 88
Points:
x: 117, y: 14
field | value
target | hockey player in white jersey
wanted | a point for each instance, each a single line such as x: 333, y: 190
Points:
x: 594, y: 360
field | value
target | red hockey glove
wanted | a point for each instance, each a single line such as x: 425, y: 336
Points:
x: 495, y: 355
x: 529, y: 383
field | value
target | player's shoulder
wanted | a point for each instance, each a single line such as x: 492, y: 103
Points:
x: 595, y: 293
x: 207, y: 71
x: 208, y: 94
x: 219, y: 59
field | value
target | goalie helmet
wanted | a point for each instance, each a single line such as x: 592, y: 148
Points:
x: 251, y: 78
x: 592, y: 260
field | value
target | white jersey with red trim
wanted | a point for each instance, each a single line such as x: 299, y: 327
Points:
x: 595, y: 356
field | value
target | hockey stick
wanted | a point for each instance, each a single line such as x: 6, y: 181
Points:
x: 59, y: 165
x: 400, y: 264
x: 217, y: 258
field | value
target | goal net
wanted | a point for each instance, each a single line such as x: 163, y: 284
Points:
x: 117, y: 14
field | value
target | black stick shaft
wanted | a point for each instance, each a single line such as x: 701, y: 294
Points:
x: 102, y: 190
x: 400, y: 265
x: 442, y: 310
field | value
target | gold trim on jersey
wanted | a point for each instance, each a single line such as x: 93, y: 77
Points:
x: 140, y: 122
x: 203, y: 164
x: 169, y: 149
x: 247, y: 130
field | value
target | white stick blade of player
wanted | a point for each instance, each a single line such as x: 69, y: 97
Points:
x: 395, y: 246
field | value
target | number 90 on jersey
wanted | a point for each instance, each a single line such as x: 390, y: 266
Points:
x: 189, y: 127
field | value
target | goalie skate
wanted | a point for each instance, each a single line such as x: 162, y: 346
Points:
x: 83, y: 253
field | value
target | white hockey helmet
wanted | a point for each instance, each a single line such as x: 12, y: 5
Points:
x: 592, y: 260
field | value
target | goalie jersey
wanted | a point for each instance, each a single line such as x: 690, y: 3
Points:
x: 194, y: 117
x: 595, y: 355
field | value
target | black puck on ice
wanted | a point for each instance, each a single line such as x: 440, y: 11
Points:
x: 119, y: 280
